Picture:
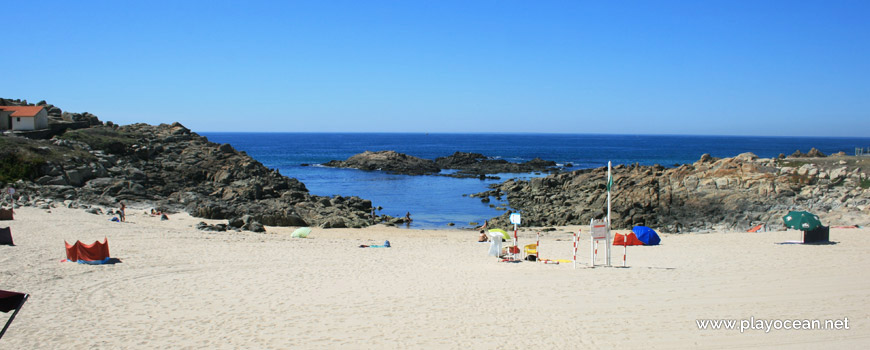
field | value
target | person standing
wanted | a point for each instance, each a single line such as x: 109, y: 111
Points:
x: 121, y: 214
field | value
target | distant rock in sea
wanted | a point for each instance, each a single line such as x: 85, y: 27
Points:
x: 389, y: 161
x: 468, y: 164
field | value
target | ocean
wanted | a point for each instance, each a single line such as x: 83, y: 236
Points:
x: 436, y: 201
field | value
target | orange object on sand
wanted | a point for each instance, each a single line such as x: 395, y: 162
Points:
x: 756, y: 228
x: 626, y: 239
x: 88, y: 252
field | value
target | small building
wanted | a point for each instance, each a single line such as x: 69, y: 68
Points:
x: 23, y: 118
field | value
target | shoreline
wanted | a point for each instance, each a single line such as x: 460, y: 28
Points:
x: 176, y: 287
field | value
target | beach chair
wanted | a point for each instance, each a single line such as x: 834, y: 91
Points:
x: 11, y: 301
x: 530, y: 249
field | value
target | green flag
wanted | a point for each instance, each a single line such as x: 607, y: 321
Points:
x: 609, y: 182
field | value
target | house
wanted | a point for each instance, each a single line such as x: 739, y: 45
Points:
x: 23, y: 118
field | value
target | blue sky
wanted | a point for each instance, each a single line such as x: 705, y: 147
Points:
x: 779, y: 68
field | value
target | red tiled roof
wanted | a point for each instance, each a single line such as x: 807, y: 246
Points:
x: 22, y: 111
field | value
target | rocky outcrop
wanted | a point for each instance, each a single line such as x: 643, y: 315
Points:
x: 468, y: 164
x: 813, y: 153
x: 476, y: 163
x: 389, y: 161
x: 711, y: 194
x: 169, y: 166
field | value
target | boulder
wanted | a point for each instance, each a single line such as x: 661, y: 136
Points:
x: 815, y: 153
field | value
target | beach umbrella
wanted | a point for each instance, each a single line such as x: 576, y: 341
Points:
x: 801, y: 220
x: 507, y: 237
x: 646, y: 235
x: 301, y: 232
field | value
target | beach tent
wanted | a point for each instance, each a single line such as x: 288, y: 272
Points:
x: 6, y: 236
x: 96, y: 253
x: 6, y: 214
x: 646, y: 235
x: 505, y: 235
x: 10, y: 301
x: 626, y: 239
x: 301, y: 232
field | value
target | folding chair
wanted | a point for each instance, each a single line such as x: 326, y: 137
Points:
x: 11, y: 301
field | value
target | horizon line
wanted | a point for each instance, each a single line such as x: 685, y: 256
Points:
x: 524, y: 133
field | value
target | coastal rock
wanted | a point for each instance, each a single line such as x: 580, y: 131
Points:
x: 213, y: 228
x: 389, y: 161
x: 468, y: 164
x: 711, y: 194
x: 171, y: 167
x: 815, y: 153
x: 478, y: 164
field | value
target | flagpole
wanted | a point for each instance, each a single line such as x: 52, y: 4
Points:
x: 609, y: 186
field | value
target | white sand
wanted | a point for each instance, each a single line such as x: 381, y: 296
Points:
x: 181, y: 288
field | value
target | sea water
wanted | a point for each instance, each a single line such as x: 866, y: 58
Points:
x: 436, y: 201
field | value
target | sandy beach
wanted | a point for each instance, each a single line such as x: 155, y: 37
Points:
x: 180, y: 288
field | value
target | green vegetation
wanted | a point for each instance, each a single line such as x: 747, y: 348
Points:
x: 106, y: 139
x: 22, y: 158
x: 14, y: 167
x: 865, y: 183
x: 792, y: 163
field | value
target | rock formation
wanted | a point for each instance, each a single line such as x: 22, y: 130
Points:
x: 170, y: 167
x: 468, y: 164
x: 389, y: 161
x: 711, y: 194
x: 476, y: 163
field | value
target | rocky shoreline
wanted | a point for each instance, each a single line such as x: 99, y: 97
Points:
x: 90, y: 163
x: 708, y: 195
x: 170, y: 168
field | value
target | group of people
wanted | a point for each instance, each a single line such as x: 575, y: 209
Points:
x: 122, y: 213
x: 160, y: 214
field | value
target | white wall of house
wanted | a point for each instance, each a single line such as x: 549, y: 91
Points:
x: 23, y: 123
x: 38, y: 122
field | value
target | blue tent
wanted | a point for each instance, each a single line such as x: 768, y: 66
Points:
x: 646, y: 235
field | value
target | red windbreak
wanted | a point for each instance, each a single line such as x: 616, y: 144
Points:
x: 89, y: 252
x: 628, y: 239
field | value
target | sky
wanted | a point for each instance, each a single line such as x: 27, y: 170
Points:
x: 773, y: 68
